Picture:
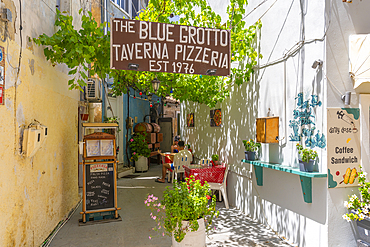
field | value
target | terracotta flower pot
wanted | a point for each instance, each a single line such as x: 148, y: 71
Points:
x: 84, y: 117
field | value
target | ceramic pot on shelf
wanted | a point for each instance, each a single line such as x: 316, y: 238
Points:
x: 250, y: 155
x: 306, y: 166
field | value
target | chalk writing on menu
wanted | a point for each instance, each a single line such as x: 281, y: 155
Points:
x: 99, y: 186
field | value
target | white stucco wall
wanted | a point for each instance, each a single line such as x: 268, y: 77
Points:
x: 279, y: 202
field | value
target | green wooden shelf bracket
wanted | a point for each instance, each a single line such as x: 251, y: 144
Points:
x: 258, y: 170
x: 304, y: 177
x: 306, y: 183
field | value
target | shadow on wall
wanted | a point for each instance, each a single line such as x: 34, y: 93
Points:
x: 239, y: 112
x: 286, y: 224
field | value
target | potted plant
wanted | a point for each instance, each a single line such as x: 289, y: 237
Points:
x: 307, y: 158
x: 185, y: 213
x: 360, y: 207
x: 215, y: 159
x: 139, y: 151
x: 250, y: 149
x: 113, y: 119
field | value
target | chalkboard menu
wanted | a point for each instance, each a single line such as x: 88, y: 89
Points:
x: 99, y: 186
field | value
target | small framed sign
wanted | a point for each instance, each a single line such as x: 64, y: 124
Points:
x: 216, y: 118
x: 190, y: 120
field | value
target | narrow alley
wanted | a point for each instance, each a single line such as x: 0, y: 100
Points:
x: 232, y: 227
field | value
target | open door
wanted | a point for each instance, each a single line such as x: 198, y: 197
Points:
x: 166, y: 129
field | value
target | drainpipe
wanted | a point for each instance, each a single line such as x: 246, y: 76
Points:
x: 128, y: 114
x: 103, y: 101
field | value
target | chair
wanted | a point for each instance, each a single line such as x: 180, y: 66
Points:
x: 184, y: 157
x: 168, y: 171
x: 221, y: 187
x: 205, y: 162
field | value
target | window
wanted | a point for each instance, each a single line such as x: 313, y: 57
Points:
x: 135, y: 8
x: 132, y: 7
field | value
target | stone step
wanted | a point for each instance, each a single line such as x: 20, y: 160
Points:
x: 362, y: 243
x: 124, y: 171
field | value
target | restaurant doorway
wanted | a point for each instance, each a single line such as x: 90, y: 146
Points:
x: 166, y: 129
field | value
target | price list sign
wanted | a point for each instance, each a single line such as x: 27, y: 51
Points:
x: 344, y: 149
x: 99, y: 186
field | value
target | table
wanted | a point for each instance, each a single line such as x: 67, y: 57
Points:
x: 168, y: 157
x: 211, y: 174
x: 155, y: 154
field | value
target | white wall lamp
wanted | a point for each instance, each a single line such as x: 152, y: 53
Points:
x: 346, y: 98
x: 317, y: 63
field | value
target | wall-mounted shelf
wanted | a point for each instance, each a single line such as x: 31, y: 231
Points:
x: 305, y: 177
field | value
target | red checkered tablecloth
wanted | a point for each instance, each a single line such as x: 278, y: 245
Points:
x: 210, y: 174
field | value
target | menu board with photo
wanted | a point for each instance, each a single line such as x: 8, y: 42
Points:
x: 92, y: 148
x: 99, y: 148
x: 106, y: 147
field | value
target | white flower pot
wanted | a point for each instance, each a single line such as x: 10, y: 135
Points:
x: 195, y: 239
x: 141, y: 165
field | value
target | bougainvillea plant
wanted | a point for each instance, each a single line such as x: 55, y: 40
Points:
x: 360, y: 207
x: 139, y: 146
x: 185, y: 201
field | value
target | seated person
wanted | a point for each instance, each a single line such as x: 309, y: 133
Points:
x: 169, y: 165
x: 175, y: 145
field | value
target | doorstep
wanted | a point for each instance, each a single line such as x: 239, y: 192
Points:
x: 124, y: 171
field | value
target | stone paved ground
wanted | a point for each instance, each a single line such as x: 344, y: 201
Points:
x: 232, y: 227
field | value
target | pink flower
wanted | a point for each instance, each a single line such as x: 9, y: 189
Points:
x: 163, y: 234
x: 158, y: 210
x: 131, y: 140
x: 134, y: 153
x: 154, y: 217
x: 150, y: 237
